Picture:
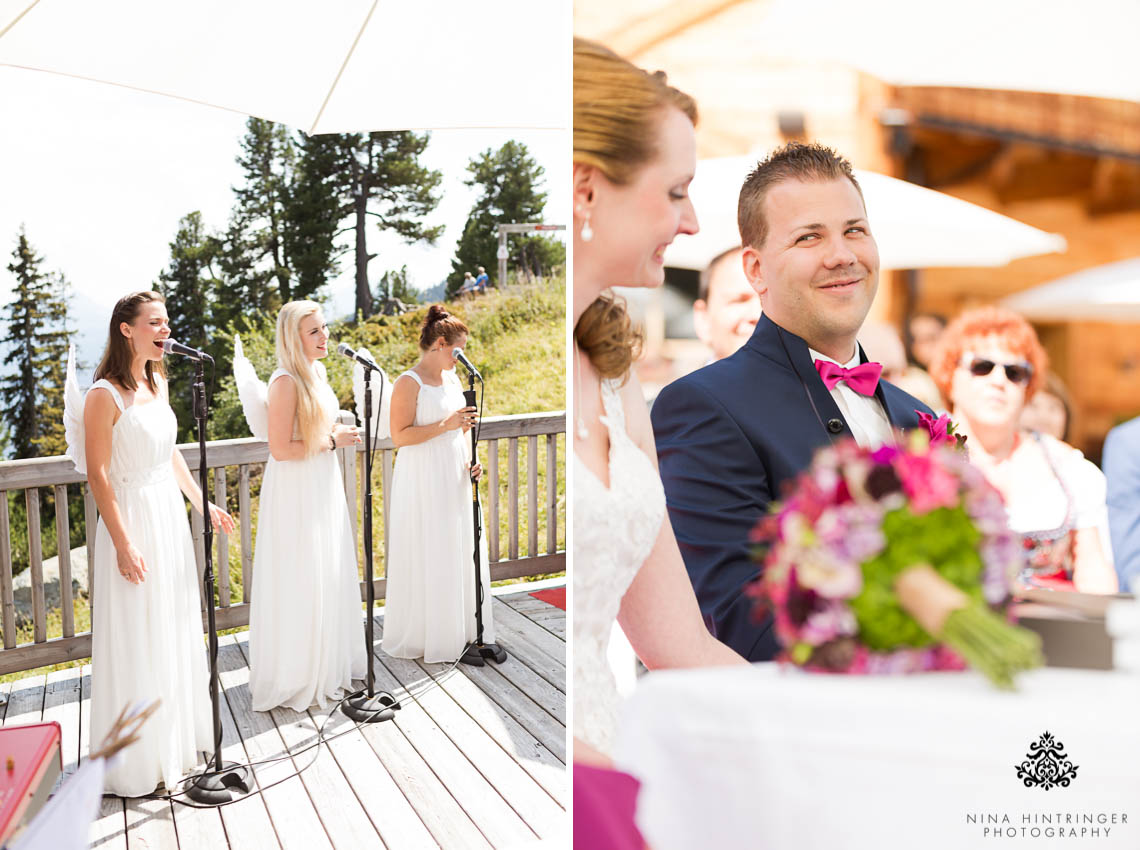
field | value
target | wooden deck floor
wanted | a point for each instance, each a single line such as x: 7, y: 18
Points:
x: 475, y: 763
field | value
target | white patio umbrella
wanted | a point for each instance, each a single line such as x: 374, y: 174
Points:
x: 1108, y: 293
x: 914, y: 227
x: 328, y: 67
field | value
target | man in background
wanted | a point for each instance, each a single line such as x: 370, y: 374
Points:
x: 727, y: 307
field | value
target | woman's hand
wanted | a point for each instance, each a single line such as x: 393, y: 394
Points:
x: 131, y: 566
x: 345, y: 435
x: 463, y: 418
x: 476, y: 471
x: 221, y: 520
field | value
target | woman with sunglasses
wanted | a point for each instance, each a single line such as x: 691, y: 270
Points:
x: 988, y: 364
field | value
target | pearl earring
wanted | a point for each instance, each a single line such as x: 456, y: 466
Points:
x: 587, y: 231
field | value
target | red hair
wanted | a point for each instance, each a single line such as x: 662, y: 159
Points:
x: 1015, y: 333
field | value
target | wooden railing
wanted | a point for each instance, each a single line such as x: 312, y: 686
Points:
x: 58, y: 472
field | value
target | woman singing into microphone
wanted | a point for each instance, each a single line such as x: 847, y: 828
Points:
x: 147, y: 628
x: 306, y: 632
x: 429, y: 611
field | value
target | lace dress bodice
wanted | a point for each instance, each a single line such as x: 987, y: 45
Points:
x: 614, y: 531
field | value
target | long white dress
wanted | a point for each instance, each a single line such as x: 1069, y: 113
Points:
x: 306, y: 630
x: 429, y: 608
x: 147, y: 638
x: 614, y: 530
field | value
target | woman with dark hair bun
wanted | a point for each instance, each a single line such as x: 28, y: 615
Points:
x: 146, y: 639
x: 429, y: 609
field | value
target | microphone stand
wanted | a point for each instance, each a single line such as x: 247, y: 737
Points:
x: 478, y: 653
x: 368, y: 706
x: 225, y: 781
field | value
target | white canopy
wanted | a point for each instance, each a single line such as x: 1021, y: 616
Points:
x: 1086, y: 48
x: 914, y: 227
x: 1108, y: 293
x: 329, y: 67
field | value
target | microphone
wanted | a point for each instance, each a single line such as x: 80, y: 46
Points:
x: 457, y: 353
x: 347, y: 351
x: 171, y: 347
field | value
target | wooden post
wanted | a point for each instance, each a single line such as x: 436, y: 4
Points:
x: 513, y: 495
x: 6, y: 595
x: 551, y: 493
x: 91, y: 523
x: 493, y: 493
x: 532, y: 495
x: 36, y: 564
x: 222, y: 549
x: 246, y: 532
x: 63, y: 544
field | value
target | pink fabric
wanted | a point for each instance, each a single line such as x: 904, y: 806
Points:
x: 862, y: 378
x: 604, y: 804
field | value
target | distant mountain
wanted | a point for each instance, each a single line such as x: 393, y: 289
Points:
x: 435, y: 294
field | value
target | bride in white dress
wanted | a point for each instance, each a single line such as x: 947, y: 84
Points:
x: 634, y: 155
x: 147, y: 628
x: 429, y: 606
x: 306, y: 630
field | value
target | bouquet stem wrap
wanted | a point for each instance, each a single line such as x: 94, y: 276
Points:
x: 987, y: 642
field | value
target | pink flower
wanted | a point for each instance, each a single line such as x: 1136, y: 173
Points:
x: 940, y: 430
x: 926, y: 483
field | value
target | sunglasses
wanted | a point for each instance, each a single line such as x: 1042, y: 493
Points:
x: 1015, y: 373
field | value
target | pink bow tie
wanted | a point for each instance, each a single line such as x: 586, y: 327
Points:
x: 862, y: 378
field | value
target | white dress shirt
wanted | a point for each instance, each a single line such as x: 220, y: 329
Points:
x: 864, y: 414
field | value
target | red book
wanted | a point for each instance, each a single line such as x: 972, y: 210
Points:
x: 30, y: 763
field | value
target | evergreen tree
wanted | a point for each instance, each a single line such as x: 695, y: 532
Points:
x: 189, y: 285
x: 256, y: 243
x: 395, y: 284
x: 380, y: 175
x: 313, y: 214
x: 31, y: 396
x: 510, y: 180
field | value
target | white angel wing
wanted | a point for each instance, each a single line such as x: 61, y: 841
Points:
x: 252, y: 391
x: 381, y: 398
x: 73, y: 430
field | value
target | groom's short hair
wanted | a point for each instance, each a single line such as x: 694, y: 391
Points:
x: 793, y: 161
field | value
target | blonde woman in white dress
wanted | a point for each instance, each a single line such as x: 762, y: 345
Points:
x: 429, y: 609
x: 147, y: 626
x: 306, y: 629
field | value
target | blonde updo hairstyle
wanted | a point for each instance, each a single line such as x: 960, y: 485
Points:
x: 618, y: 109
x: 313, y: 423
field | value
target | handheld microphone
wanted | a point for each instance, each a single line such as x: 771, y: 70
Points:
x: 457, y: 353
x: 347, y: 351
x: 171, y: 347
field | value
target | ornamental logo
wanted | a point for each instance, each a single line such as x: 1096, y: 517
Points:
x: 1047, y: 765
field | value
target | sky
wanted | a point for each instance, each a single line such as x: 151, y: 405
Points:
x: 100, y: 177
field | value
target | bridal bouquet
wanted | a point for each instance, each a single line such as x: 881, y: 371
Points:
x: 894, y: 561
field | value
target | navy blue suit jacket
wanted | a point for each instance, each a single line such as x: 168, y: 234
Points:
x: 1122, y: 468
x: 728, y: 436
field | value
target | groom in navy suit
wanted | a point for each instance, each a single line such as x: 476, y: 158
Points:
x: 731, y: 434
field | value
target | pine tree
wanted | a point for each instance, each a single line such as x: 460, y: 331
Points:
x: 257, y: 233
x: 313, y: 214
x: 380, y: 175
x: 188, y: 284
x: 510, y: 180
x: 395, y: 284
x: 31, y: 395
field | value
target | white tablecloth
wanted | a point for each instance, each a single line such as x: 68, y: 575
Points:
x: 772, y: 757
